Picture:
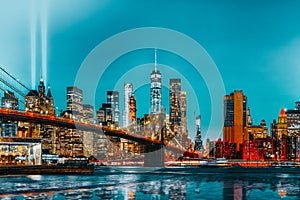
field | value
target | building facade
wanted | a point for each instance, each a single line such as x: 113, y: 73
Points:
x: 293, y: 119
x: 175, y: 109
x: 198, y: 140
x: 39, y: 101
x: 132, y: 110
x: 74, y: 101
x: 235, y: 115
x: 88, y: 137
x: 128, y: 89
x: 282, y: 124
x: 155, y: 90
x: 113, y: 100
x: 8, y: 127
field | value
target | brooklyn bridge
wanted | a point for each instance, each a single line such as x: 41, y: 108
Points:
x: 24, y: 127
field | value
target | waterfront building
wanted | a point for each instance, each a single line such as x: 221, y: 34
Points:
x: 20, y: 151
x: 225, y: 149
x: 128, y: 89
x: 155, y: 89
x: 235, y: 108
x: 209, y: 148
x: 259, y: 149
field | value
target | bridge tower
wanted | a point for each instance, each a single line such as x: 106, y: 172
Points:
x: 155, y: 154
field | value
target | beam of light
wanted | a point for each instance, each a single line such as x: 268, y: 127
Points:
x: 44, y: 16
x: 33, y: 42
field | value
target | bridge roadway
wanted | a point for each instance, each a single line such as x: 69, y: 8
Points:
x: 150, y: 144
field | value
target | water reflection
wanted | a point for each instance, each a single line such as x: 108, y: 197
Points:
x: 106, y: 184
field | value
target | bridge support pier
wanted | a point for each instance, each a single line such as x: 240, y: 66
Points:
x: 155, y: 158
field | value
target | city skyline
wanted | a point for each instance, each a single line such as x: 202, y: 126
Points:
x: 253, y: 53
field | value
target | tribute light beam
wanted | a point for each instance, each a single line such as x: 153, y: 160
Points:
x: 44, y: 15
x: 33, y: 42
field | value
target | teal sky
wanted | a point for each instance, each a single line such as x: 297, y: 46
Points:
x: 254, y: 44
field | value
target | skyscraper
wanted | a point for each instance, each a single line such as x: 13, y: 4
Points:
x: 113, y: 100
x: 198, y: 140
x: 128, y: 88
x: 183, y: 108
x: 50, y: 102
x: 132, y: 109
x: 155, y: 89
x: 293, y: 120
x: 88, y: 113
x: 88, y: 137
x: 39, y: 102
x: 74, y: 100
x: 175, y: 110
x: 282, y: 124
x: 235, y: 114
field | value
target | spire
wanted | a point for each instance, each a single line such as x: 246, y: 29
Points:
x: 49, y: 94
x: 282, y: 112
x: 155, y: 60
x: 41, y: 87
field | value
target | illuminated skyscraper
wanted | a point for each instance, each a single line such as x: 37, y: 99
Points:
x: 113, y: 100
x: 88, y: 137
x: 128, y: 88
x: 88, y: 113
x: 50, y: 102
x: 74, y: 100
x: 183, y: 109
x: 198, y: 140
x: 155, y: 89
x: 41, y: 88
x: 282, y: 124
x: 175, y: 110
x: 132, y: 109
x: 39, y: 102
x: 235, y: 108
x: 293, y: 120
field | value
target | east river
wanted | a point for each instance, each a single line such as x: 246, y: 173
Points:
x: 183, y: 183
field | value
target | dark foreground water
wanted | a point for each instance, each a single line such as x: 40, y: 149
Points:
x: 183, y: 183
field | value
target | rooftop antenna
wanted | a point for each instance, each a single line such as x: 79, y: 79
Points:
x: 155, y: 60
